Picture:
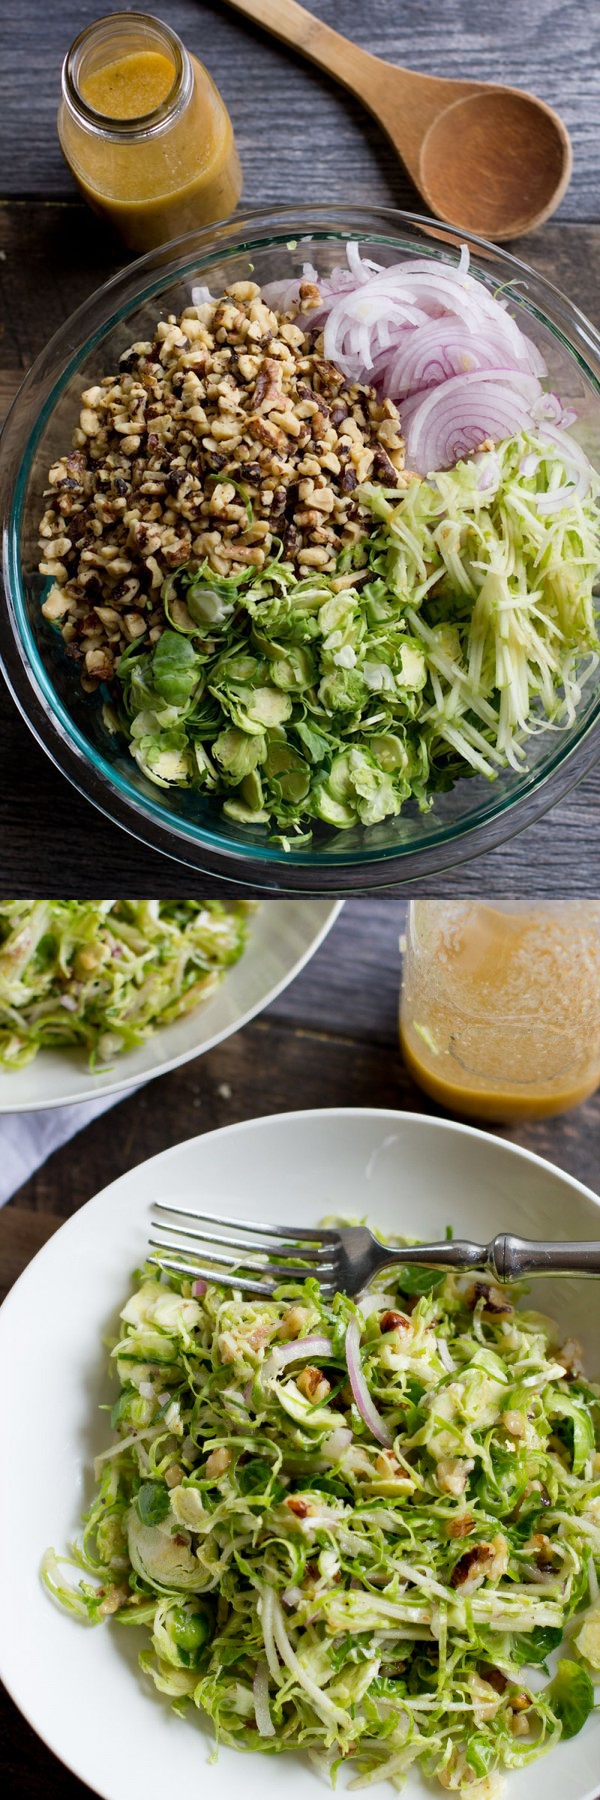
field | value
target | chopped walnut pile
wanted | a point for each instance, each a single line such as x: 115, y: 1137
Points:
x: 227, y: 432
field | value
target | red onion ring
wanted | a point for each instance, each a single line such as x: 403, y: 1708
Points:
x: 440, y: 349
x: 282, y: 1354
x: 454, y: 419
x: 435, y: 338
x: 366, y: 1406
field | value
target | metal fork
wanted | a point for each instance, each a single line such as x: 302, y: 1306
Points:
x: 258, y: 1258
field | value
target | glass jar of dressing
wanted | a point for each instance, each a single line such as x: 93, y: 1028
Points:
x: 500, y: 1008
x: 145, y: 131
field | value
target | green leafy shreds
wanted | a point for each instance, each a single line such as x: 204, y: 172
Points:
x: 106, y: 974
x: 304, y: 1587
x: 294, y: 701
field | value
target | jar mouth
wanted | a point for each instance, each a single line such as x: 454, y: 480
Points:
x: 120, y: 34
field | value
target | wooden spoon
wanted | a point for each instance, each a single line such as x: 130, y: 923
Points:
x: 493, y: 160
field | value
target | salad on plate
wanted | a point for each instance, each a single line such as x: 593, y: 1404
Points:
x: 104, y: 975
x: 358, y: 1531
x: 327, y: 547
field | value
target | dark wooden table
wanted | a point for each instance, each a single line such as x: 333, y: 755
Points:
x: 298, y: 135
x: 330, y: 1040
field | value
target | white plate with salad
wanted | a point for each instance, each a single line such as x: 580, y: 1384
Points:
x: 370, y: 1563
x: 97, y: 996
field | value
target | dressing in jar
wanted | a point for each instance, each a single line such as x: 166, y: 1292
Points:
x: 145, y: 131
x: 500, y: 1009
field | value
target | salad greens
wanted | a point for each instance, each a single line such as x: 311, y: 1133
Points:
x: 306, y: 1586
x: 106, y: 974
x: 462, y: 625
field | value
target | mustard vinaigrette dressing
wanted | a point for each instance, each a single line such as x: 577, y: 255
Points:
x: 131, y: 87
x: 145, y: 131
x: 500, y: 1009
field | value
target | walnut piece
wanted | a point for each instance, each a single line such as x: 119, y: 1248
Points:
x: 227, y: 432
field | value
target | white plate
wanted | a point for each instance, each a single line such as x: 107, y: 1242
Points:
x: 80, y: 1688
x: 283, y: 935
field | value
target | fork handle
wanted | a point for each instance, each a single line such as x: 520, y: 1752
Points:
x: 514, y: 1257
x: 507, y: 1258
x: 455, y: 1253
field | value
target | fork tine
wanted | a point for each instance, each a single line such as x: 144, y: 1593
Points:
x: 225, y: 1262
x: 282, y: 1271
x: 259, y: 1289
x: 246, y: 1250
x: 309, y: 1234
x: 218, y: 1237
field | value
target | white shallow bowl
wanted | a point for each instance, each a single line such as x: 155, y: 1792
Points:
x: 80, y: 1688
x: 283, y: 935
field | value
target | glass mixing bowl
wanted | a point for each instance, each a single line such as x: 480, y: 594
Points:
x: 476, y: 815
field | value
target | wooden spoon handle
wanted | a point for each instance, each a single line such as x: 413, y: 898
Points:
x: 403, y: 101
x: 355, y: 68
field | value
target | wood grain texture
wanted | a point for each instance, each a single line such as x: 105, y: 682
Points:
x: 330, y: 1040
x: 273, y: 97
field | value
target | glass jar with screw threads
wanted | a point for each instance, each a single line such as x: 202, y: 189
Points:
x: 145, y: 131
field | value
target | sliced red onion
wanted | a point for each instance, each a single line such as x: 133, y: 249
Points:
x: 295, y: 1352
x: 440, y: 349
x: 453, y: 420
x: 359, y: 268
x: 537, y: 363
x: 547, y: 409
x: 199, y: 1289
x: 260, y: 1694
x: 283, y: 294
x: 366, y: 1406
x: 70, y: 1005
x: 571, y: 451
x: 378, y: 322
x: 435, y: 338
x: 411, y: 295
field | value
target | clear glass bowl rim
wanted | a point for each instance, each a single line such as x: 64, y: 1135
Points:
x: 28, y: 680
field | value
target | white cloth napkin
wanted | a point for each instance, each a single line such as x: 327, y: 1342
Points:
x: 27, y: 1139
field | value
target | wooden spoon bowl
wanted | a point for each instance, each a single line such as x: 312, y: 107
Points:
x: 489, y: 159
x: 495, y: 162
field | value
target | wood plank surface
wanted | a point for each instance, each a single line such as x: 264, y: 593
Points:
x: 330, y: 1039
x: 297, y: 131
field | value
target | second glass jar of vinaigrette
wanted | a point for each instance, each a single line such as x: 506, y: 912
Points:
x: 145, y: 131
x: 500, y: 1007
